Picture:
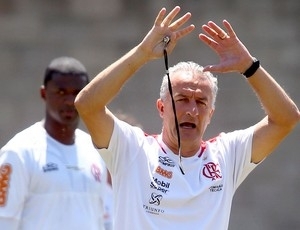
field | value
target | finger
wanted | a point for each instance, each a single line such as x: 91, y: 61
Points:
x: 208, y: 41
x: 219, y: 31
x: 218, y: 68
x: 212, y: 68
x: 229, y: 28
x: 185, y: 31
x: 169, y: 18
x: 215, y: 27
x: 179, y: 22
x: 176, y: 36
x: 160, y: 17
x: 208, y: 30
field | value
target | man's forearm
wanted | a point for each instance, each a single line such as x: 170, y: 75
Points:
x: 108, y: 82
x: 276, y: 103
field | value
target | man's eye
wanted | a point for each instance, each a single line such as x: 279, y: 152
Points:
x: 61, y: 92
x: 201, y: 102
x: 181, y: 99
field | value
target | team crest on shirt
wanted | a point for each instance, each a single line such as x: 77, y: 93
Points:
x: 5, y: 175
x: 212, y: 170
x: 95, y: 170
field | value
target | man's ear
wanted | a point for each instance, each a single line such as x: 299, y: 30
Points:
x: 211, y: 114
x: 43, y: 92
x: 160, y: 107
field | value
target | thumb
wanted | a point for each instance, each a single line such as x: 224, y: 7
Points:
x: 212, y: 68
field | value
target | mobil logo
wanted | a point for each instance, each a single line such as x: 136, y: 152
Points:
x: 161, y: 183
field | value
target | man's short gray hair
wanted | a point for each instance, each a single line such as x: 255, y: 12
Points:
x: 195, y: 69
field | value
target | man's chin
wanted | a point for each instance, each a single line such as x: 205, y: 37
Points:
x: 70, y: 120
x: 190, y: 137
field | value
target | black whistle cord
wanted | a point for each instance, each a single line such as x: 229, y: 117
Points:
x: 166, y: 41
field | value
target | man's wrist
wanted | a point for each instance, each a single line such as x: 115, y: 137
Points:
x: 252, y: 69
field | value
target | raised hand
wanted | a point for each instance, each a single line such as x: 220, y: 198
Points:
x: 153, y: 44
x: 234, y: 56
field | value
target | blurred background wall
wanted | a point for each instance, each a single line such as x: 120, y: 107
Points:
x: 97, y: 32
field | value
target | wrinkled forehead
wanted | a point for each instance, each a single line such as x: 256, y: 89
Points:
x: 191, y: 81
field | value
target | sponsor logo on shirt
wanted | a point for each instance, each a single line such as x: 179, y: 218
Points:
x: 155, y: 199
x: 166, y: 161
x: 160, y: 185
x: 50, y: 167
x: 5, y: 176
x: 74, y: 167
x: 216, y: 188
x: 164, y: 172
x: 153, y: 210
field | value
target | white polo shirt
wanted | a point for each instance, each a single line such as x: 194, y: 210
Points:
x: 150, y: 192
x: 46, y: 185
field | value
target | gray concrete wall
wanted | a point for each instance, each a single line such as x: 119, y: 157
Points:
x: 32, y: 32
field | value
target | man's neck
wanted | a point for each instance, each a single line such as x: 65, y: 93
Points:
x: 62, y: 133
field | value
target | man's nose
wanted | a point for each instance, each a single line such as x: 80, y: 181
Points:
x: 193, y: 109
x: 69, y: 99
